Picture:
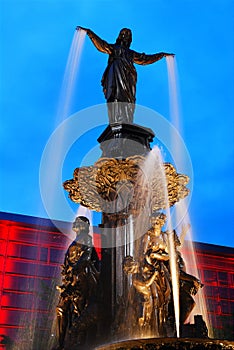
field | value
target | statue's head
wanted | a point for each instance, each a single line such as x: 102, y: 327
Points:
x: 81, y: 225
x: 158, y: 219
x: 125, y: 37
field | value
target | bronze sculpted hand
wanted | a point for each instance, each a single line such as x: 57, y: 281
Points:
x: 82, y: 28
x: 168, y: 54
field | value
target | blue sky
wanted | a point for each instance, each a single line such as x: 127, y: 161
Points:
x: 35, y: 40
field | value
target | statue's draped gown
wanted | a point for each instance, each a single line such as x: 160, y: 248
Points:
x: 120, y: 77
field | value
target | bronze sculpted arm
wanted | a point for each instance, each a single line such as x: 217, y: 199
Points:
x: 142, y: 286
x: 160, y: 256
x: 100, y: 44
x: 143, y: 59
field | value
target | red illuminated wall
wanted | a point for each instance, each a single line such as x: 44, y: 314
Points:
x: 31, y: 251
x: 216, y: 266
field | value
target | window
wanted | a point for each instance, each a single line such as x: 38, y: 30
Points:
x: 210, y: 277
x: 224, y: 293
x: 225, y: 309
x: 44, y: 254
x: 223, y: 278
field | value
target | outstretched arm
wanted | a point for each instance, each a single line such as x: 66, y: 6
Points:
x: 143, y: 59
x: 100, y: 44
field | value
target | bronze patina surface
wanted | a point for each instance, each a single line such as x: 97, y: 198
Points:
x: 97, y: 186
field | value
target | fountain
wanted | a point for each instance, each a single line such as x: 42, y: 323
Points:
x: 139, y: 295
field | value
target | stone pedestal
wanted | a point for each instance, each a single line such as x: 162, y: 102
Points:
x: 118, y: 141
x: 125, y: 140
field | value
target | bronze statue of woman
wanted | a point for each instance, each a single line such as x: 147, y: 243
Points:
x: 120, y: 77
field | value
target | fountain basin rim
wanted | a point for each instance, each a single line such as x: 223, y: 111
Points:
x: 144, y: 342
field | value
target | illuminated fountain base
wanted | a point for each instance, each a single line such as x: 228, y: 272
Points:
x: 169, y: 344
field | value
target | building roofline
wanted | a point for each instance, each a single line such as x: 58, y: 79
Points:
x: 213, y: 248
x: 65, y: 225
x: 43, y: 223
x: 34, y: 220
